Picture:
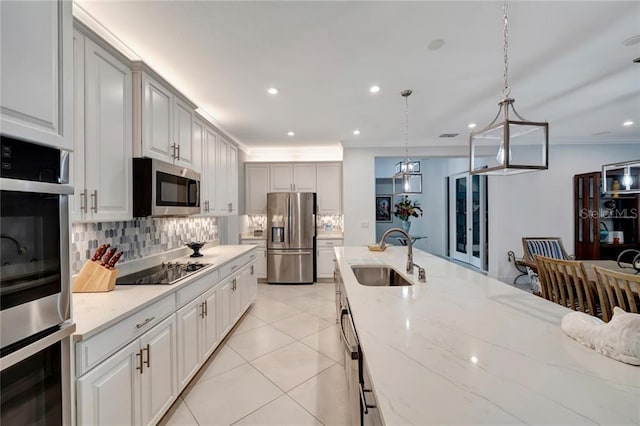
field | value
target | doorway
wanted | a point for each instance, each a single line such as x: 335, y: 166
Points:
x: 468, y: 219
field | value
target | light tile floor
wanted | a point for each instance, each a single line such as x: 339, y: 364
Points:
x: 280, y: 365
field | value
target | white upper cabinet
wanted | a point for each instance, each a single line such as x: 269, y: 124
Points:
x: 304, y: 177
x: 221, y: 177
x: 323, y: 178
x: 183, y: 119
x: 232, y: 178
x: 36, y: 71
x: 329, y: 188
x: 156, y: 116
x: 298, y: 177
x: 103, y: 140
x: 219, y: 193
x: 256, y: 187
x: 281, y: 178
x: 208, y: 182
x: 163, y: 121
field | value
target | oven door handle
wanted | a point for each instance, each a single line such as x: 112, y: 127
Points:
x: 32, y: 186
x: 35, y: 347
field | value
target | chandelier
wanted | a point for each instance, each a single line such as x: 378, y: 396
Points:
x: 509, y: 146
x: 407, y: 178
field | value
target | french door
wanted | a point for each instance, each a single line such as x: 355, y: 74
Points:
x: 468, y: 219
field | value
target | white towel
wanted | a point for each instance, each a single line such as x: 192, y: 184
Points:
x: 618, y: 339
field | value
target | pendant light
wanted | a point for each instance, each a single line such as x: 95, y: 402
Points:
x: 521, y: 145
x: 407, y: 179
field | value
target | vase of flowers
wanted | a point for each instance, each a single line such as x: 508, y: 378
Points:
x: 404, y: 209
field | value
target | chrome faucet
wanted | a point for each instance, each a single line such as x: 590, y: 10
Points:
x: 409, y: 246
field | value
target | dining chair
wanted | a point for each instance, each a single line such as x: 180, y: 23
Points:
x: 617, y: 289
x: 543, y: 246
x: 565, y: 282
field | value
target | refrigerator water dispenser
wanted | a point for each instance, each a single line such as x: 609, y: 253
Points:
x: 277, y: 234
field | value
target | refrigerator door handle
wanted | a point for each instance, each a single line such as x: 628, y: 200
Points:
x: 289, y: 252
x: 289, y: 220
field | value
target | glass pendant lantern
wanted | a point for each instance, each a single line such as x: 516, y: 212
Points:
x: 407, y: 178
x: 509, y: 144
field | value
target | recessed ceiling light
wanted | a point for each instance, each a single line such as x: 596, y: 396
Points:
x: 435, y: 44
x: 356, y: 132
x: 272, y: 91
x: 290, y: 133
x: 472, y: 125
x: 628, y: 123
x: 374, y: 89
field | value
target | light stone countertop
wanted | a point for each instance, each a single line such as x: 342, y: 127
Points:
x: 94, y: 312
x: 333, y: 235
x: 251, y: 237
x: 464, y: 348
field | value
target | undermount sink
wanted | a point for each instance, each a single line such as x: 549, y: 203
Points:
x: 378, y: 275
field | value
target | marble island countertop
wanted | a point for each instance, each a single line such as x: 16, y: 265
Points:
x: 94, y: 312
x: 464, y: 348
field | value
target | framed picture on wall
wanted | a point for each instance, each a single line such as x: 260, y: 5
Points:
x: 383, y: 208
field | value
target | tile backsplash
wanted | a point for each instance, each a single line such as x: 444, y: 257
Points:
x: 334, y: 221
x: 259, y: 221
x: 138, y: 238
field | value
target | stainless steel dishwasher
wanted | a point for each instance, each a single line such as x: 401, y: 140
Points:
x: 351, y: 353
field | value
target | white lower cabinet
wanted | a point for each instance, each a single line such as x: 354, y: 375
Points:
x: 137, y: 384
x: 260, y: 267
x: 134, y: 386
x: 248, y: 286
x: 326, y: 256
x: 197, y: 334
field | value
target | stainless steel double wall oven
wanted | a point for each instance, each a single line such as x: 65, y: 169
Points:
x: 34, y: 284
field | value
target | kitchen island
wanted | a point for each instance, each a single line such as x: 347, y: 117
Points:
x: 464, y: 348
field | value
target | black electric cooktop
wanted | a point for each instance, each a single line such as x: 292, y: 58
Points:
x: 165, y: 274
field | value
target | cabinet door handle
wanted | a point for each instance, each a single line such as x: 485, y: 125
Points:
x: 145, y: 322
x: 178, y: 149
x: 94, y: 201
x: 202, y: 310
x: 83, y: 201
x: 230, y: 207
x: 139, y: 357
x: 173, y: 147
x: 148, y: 361
x: 234, y: 267
x: 206, y: 309
x: 251, y: 269
x: 364, y: 401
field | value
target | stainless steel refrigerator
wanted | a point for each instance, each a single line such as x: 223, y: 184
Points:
x: 291, y: 237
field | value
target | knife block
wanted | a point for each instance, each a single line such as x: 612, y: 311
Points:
x: 95, y: 278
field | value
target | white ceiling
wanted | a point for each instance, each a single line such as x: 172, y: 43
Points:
x: 568, y: 65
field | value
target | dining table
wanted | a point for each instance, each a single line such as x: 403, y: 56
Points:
x: 607, y: 264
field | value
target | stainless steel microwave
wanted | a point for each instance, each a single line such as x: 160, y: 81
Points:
x: 163, y: 189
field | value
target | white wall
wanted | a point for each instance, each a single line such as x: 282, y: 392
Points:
x: 537, y: 203
x: 541, y: 203
x: 358, y: 169
x: 432, y: 200
x: 358, y: 196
